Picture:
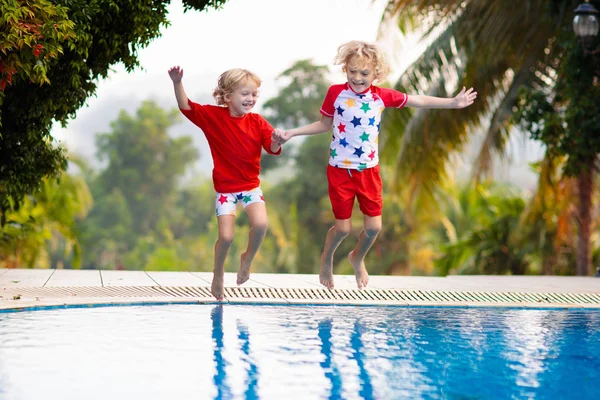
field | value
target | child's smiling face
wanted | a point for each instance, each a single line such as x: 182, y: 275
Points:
x: 243, y: 98
x: 360, y: 73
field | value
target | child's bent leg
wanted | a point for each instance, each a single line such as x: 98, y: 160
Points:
x: 257, y: 214
x: 365, y: 242
x: 335, y: 236
x: 226, y: 227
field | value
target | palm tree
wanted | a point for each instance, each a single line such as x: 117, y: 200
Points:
x: 495, y: 46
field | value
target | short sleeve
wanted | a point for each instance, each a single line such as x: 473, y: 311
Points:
x: 392, y: 98
x: 328, y: 109
x: 197, y: 114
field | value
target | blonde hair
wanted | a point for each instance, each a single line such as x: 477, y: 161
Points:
x: 365, y: 52
x: 229, y: 80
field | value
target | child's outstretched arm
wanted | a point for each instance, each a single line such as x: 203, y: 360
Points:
x: 176, y: 74
x: 316, y: 128
x: 464, y: 99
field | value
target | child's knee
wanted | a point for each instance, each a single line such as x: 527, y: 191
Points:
x: 225, y: 239
x: 343, y: 230
x: 260, y: 227
x: 372, y: 231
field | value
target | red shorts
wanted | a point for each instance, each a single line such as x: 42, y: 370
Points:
x: 345, y: 184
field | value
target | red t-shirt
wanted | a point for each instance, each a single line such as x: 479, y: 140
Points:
x: 235, y: 144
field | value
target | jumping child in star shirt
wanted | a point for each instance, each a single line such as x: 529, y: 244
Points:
x: 354, y: 109
x: 236, y: 138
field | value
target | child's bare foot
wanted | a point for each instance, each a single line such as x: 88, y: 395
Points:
x: 326, y: 273
x: 244, y: 272
x: 216, y: 288
x: 360, y: 271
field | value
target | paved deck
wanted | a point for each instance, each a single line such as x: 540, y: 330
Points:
x: 22, y: 289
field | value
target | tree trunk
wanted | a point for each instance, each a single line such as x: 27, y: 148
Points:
x: 584, y: 185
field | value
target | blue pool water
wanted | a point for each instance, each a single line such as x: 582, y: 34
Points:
x: 299, y: 352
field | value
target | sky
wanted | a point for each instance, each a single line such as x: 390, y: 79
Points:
x: 265, y: 36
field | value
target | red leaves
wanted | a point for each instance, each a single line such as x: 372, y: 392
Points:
x: 37, y: 49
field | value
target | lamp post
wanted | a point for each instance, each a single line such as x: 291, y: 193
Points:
x: 585, y: 25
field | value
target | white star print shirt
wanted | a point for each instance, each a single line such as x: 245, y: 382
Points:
x: 356, y: 123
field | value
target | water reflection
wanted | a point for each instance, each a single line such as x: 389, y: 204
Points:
x: 251, y: 380
x: 402, y: 353
x: 358, y: 348
x: 220, y: 377
x: 332, y: 373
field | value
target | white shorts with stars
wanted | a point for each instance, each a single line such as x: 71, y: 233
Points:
x: 226, y: 203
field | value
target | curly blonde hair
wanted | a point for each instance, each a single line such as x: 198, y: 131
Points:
x: 365, y: 52
x: 229, y: 80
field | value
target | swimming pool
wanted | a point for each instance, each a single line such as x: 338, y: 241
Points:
x: 299, y: 352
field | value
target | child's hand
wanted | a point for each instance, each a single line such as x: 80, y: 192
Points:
x: 279, y: 136
x: 176, y: 73
x: 465, y: 98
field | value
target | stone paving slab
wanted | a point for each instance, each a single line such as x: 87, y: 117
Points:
x: 287, y: 280
x: 165, y: 278
x: 70, y: 277
x: 45, y: 287
x: 529, y: 283
x: 229, y: 280
x: 25, y: 277
x: 126, y: 278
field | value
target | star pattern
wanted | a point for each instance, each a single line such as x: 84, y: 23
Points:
x: 358, y: 151
x: 356, y: 132
x: 357, y: 124
x: 223, y: 199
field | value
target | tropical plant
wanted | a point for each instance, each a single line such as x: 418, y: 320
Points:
x: 137, y: 190
x: 44, y: 222
x: 493, y: 242
x: 497, y: 48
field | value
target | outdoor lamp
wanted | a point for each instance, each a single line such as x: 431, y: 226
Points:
x: 585, y: 24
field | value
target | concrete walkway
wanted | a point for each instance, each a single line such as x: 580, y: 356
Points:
x: 22, y: 289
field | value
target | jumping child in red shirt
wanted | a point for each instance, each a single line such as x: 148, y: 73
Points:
x: 236, y: 138
x: 353, y: 110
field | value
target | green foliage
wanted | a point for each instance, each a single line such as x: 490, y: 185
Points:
x: 567, y: 117
x: 137, y: 192
x: 296, y: 104
x: 299, y: 102
x: 144, y: 162
x: 32, y: 35
x: 474, y: 48
x: 65, y: 46
x: 492, y: 244
x: 45, y: 221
